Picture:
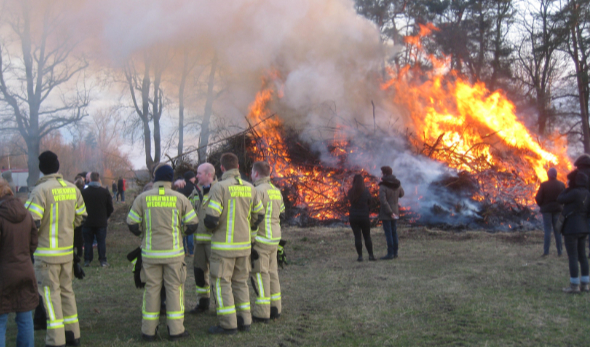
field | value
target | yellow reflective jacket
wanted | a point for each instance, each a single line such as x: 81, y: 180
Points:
x: 162, y: 212
x: 60, y: 208
x: 235, y: 202
x: 269, y: 231
x: 203, y: 235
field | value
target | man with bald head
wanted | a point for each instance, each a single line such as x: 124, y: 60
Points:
x: 206, y: 179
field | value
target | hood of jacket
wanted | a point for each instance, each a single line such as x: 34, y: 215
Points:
x: 583, y: 161
x: 12, y: 209
x: 390, y: 181
x: 581, y: 179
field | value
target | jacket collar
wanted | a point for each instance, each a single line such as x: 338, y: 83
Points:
x: 230, y: 174
x: 49, y: 177
x: 262, y: 180
x: 210, y: 185
x: 165, y: 184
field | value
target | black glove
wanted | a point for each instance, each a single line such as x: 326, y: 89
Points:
x: 281, y: 255
x: 78, y: 272
x: 254, y: 256
x: 134, y: 228
x: 191, y: 229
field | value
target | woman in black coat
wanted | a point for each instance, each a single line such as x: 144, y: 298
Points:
x: 576, y: 199
x: 359, y: 197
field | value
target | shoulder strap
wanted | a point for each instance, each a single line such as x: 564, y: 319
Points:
x: 61, y: 181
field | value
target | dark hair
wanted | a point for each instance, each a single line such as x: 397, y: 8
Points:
x: 229, y: 161
x: 358, y: 187
x: 94, y: 177
x: 386, y: 170
x: 262, y: 167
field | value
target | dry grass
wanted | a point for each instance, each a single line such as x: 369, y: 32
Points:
x: 446, y: 289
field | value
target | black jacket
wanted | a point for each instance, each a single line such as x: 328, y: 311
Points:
x: 188, y: 188
x: 359, y: 209
x: 547, y: 196
x: 99, y: 205
x: 583, y: 165
x: 576, y: 200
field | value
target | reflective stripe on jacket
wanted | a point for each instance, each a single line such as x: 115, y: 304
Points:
x: 203, y: 235
x: 162, y: 212
x: 60, y: 208
x: 269, y: 231
x: 235, y: 202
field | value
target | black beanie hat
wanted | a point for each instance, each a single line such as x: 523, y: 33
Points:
x: 164, y: 173
x: 48, y: 163
x: 188, y: 175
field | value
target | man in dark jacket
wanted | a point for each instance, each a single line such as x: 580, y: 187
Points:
x: 99, y: 206
x: 547, y: 200
x: 121, y: 189
x: 18, y: 286
x: 390, y: 190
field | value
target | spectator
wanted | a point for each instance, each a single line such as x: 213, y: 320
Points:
x: 576, y: 199
x: 99, y: 206
x: 359, y: 197
x: 18, y: 286
x: 121, y: 189
x: 114, y: 188
x: 390, y: 190
x: 80, y: 182
x: 7, y: 176
x: 189, y: 190
x: 550, y: 209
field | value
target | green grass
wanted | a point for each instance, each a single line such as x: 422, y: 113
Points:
x: 446, y: 289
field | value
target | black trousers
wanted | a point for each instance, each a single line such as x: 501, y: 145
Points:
x: 575, y: 245
x: 362, y: 226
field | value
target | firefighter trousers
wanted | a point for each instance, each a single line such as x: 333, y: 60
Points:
x: 265, y: 277
x: 230, y: 286
x: 55, y: 287
x: 201, y: 265
x: 172, y: 277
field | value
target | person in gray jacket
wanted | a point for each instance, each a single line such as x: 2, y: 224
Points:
x: 390, y: 190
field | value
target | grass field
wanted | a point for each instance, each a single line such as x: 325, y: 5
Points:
x: 445, y: 289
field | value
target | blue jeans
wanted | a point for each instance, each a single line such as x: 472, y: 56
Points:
x: 189, y: 245
x: 25, y: 336
x: 101, y: 237
x: 390, y: 229
x: 549, y: 220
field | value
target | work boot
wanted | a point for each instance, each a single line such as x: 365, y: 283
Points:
x: 260, y: 320
x: 70, y: 340
x: 148, y: 338
x: 274, y: 313
x: 202, y: 306
x: 572, y: 289
x: 179, y: 336
x: 585, y: 287
x: 219, y: 330
x: 360, y: 258
x: 242, y: 326
x: 372, y: 258
x: 387, y: 257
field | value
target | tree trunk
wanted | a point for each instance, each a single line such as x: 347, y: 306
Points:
x: 32, y: 161
x: 582, y: 82
x: 181, y: 105
x: 204, y: 137
x: 145, y: 104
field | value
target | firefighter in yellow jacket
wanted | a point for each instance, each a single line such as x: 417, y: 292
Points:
x: 233, y: 206
x: 266, y: 239
x: 57, y: 207
x: 162, y: 212
x: 206, y: 181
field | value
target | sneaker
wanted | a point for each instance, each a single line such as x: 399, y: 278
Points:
x: 372, y: 258
x: 219, y: 330
x: 572, y: 289
x: 86, y: 264
x: 585, y: 287
x: 544, y: 255
x: 360, y: 258
x: 104, y: 264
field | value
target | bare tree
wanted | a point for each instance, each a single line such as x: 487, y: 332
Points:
x: 151, y: 106
x: 38, y: 83
x: 536, y: 58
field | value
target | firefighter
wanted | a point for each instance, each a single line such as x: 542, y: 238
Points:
x: 265, y: 273
x: 161, y: 212
x: 206, y: 181
x: 57, y: 208
x: 233, y: 204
